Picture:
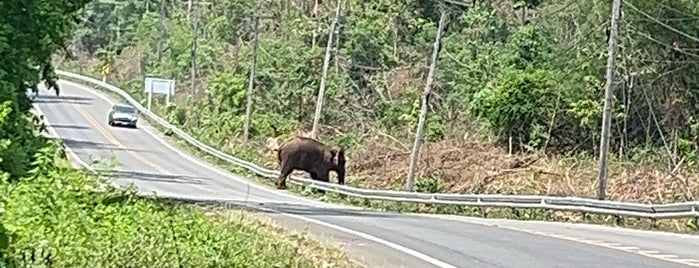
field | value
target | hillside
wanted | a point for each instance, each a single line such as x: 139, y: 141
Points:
x: 517, y: 103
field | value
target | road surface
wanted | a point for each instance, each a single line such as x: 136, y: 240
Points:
x: 79, y: 116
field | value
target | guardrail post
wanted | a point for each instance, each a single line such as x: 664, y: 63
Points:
x: 695, y: 209
x: 653, y: 223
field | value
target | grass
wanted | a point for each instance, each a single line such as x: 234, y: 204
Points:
x: 54, y: 220
x: 489, y: 169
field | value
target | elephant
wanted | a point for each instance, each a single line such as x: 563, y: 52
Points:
x: 312, y: 156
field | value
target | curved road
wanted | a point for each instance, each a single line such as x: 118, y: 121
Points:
x: 79, y: 116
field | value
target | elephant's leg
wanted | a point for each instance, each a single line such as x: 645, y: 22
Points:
x: 316, y: 177
x: 324, y: 176
x: 283, y: 174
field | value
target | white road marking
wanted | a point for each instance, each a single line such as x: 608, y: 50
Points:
x: 54, y: 134
x: 397, y: 247
x: 611, y: 244
x: 667, y: 256
x: 627, y: 248
x: 599, y: 242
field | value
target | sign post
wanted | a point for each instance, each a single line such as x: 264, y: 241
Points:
x: 159, y: 86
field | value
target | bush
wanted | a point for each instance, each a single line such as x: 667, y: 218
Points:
x: 519, y: 105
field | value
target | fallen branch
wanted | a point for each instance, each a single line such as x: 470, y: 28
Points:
x: 394, y: 139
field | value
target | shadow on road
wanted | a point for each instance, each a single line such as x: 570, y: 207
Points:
x: 62, y: 99
x: 151, y: 177
x: 277, y: 207
x: 303, y: 210
x: 82, y: 144
x: 61, y: 126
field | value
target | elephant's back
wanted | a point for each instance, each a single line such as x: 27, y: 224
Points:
x: 302, y: 153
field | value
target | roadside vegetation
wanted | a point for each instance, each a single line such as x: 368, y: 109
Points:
x: 517, y: 107
x: 51, y: 215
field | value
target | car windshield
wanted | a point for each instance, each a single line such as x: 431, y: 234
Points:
x: 125, y: 109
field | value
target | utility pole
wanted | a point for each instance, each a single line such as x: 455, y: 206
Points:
x: 608, y: 99
x: 324, y: 77
x: 195, y: 30
x: 410, y: 182
x: 251, y: 81
x: 161, y: 30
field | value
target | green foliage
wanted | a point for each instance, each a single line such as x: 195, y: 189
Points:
x: 520, y: 104
x: 429, y: 184
x: 348, y: 141
x: 405, y: 112
x: 26, y: 46
x: 687, y: 151
x: 55, y: 214
x: 533, y: 70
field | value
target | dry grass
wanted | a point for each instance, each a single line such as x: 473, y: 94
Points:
x: 322, y: 254
x: 486, y: 168
x: 381, y: 162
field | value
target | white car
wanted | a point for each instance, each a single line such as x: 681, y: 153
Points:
x: 123, y: 114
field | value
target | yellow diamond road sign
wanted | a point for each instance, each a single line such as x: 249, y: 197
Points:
x: 105, y: 69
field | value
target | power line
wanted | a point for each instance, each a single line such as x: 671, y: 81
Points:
x: 661, y: 23
x: 677, y: 10
x: 649, y: 37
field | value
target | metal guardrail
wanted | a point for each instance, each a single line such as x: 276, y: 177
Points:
x: 585, y: 205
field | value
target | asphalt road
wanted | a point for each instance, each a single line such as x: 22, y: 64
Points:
x: 79, y: 116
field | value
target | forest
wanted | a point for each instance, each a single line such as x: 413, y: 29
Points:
x: 517, y: 94
x: 52, y: 215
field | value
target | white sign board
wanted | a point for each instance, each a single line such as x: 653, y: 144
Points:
x: 159, y: 86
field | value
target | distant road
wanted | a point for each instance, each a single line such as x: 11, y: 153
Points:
x: 79, y: 116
